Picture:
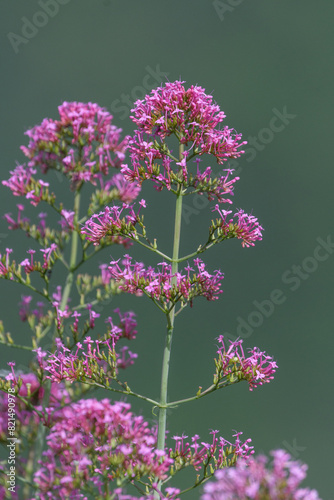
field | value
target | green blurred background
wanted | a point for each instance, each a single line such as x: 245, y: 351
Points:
x: 260, y: 58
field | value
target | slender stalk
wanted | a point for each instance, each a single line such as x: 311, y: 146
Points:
x: 212, y: 388
x: 66, y: 293
x: 17, y: 346
x: 203, y: 248
x: 125, y: 392
x: 155, y: 250
x: 74, y: 251
x: 170, y: 327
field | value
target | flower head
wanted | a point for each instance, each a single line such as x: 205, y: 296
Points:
x: 96, y: 441
x: 83, y: 144
x: 29, y: 387
x: 164, y: 286
x: 193, y: 117
x: 111, y: 223
x: 233, y: 365
x: 260, y: 480
x: 191, y: 114
x: 241, y: 225
x: 219, y: 452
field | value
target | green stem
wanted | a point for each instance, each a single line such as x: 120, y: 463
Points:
x: 209, y: 390
x: 74, y: 251
x: 66, y: 293
x: 17, y: 346
x: 170, y: 327
x: 155, y: 250
x: 27, y: 285
x: 125, y: 392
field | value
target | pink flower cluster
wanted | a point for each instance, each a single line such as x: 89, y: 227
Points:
x: 32, y: 390
x: 192, y: 117
x: 22, y: 183
x: 97, y: 360
x: 25, y: 311
x: 258, y: 480
x: 29, y: 265
x: 127, y: 191
x: 37, y: 231
x: 219, y: 453
x: 21, y: 180
x: 4, y: 262
x: 16, y: 224
x: 135, y: 279
x: 82, y: 143
x: 67, y: 220
x: 110, y: 223
x: 233, y: 366
x: 96, y: 442
x: 245, y: 228
x: 127, y: 327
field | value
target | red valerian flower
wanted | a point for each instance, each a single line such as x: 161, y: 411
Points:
x: 95, y: 442
x: 195, y: 120
x: 234, y: 365
x: 164, y: 286
x: 260, y: 480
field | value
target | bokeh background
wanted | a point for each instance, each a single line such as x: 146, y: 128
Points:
x: 261, y: 59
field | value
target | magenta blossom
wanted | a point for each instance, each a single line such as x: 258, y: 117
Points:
x: 87, y: 122
x: 127, y: 191
x: 233, y: 365
x: 83, y: 145
x: 30, y: 265
x: 33, y: 392
x: 4, y: 262
x: 25, y: 310
x: 127, y: 327
x: 16, y: 224
x: 160, y: 286
x: 22, y: 183
x: 245, y: 227
x: 110, y: 223
x: 191, y: 114
x: 96, y: 360
x: 67, y: 221
x: 194, y: 119
x: 259, y: 480
x: 96, y: 442
x: 219, y: 453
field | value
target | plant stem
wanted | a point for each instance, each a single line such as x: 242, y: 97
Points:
x: 125, y: 392
x: 74, y: 251
x: 17, y: 346
x: 67, y: 290
x: 170, y: 327
x: 209, y: 390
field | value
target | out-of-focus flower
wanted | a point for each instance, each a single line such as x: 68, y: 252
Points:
x: 260, y: 480
x: 96, y: 441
